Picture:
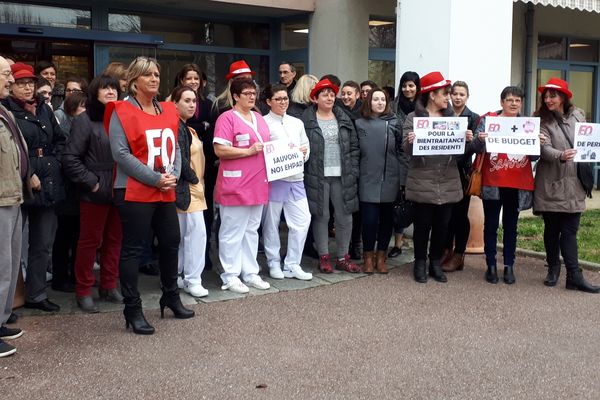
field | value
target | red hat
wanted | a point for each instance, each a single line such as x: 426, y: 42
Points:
x: 558, y: 85
x: 323, y: 84
x: 20, y: 71
x: 237, y: 68
x: 432, y: 81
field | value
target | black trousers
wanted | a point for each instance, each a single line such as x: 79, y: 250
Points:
x: 560, y: 236
x: 430, y: 219
x: 377, y: 225
x: 459, y: 227
x: 137, y: 218
x: 64, y: 249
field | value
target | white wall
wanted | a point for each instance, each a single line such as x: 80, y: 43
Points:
x: 468, y: 40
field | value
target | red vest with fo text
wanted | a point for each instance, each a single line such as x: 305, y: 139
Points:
x: 507, y: 170
x: 152, y: 140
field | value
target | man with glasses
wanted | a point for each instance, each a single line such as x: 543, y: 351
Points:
x: 287, y: 76
x: 14, y: 171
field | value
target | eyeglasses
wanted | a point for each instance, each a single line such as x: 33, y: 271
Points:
x: 22, y: 84
x: 513, y: 100
x: 249, y: 94
x: 6, y: 73
x: 73, y: 91
x: 281, y: 99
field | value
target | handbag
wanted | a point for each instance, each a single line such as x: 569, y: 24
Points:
x: 584, y: 169
x: 403, y: 211
x: 474, y: 186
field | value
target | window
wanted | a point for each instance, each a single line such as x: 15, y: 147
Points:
x: 552, y: 48
x: 382, y: 34
x: 583, y: 50
x: 192, y: 31
x: 382, y: 72
x: 57, y: 17
x: 294, y: 35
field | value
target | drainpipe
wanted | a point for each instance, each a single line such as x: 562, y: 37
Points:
x: 529, y: 40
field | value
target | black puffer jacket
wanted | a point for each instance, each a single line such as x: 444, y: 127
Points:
x: 313, y: 169
x: 188, y: 176
x: 45, y: 141
x: 87, y: 158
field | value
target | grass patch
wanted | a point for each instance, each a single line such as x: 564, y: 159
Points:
x: 531, y: 235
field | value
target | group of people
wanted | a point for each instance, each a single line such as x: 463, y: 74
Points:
x: 110, y: 170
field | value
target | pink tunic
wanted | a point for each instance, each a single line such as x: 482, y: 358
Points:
x: 243, y: 181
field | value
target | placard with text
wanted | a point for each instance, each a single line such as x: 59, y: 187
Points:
x: 587, y: 142
x: 513, y: 135
x: 443, y: 135
x: 282, y: 160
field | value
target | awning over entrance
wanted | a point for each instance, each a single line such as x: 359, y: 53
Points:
x: 583, y: 5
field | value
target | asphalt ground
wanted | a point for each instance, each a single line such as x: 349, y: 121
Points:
x: 377, y: 337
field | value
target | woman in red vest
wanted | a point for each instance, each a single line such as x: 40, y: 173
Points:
x: 143, y: 141
x: 507, y: 185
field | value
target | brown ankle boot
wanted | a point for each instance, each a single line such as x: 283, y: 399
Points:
x: 381, y: 268
x: 455, y: 263
x: 368, y: 267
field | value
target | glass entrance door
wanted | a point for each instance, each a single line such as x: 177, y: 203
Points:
x: 581, y: 83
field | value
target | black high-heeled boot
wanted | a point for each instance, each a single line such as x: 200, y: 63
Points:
x: 553, y: 274
x: 435, y: 271
x: 135, y: 317
x: 172, y: 301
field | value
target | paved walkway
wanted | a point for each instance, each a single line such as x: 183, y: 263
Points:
x: 377, y: 337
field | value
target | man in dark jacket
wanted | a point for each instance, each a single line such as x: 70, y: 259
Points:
x: 287, y: 76
x: 14, y: 173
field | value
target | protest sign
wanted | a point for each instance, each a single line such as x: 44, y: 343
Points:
x: 443, y: 135
x: 587, y: 142
x: 513, y: 135
x: 282, y: 160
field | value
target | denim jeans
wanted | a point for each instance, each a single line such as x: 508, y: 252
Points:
x: 509, y: 204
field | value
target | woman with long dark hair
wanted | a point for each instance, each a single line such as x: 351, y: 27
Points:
x: 559, y: 195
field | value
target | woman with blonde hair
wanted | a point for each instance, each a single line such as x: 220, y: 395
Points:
x: 148, y: 163
x: 118, y: 71
x: 300, y: 99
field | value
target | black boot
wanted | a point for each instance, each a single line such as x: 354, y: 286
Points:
x: 355, y: 250
x: 435, y: 271
x: 575, y: 281
x: 420, y: 271
x: 509, y: 275
x: 491, y: 275
x: 553, y: 274
x: 135, y: 317
x: 172, y: 301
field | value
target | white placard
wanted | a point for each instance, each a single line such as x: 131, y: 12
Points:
x: 443, y: 135
x: 513, y: 135
x: 282, y: 160
x: 587, y: 142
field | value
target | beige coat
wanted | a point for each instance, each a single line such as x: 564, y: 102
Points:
x: 11, y: 185
x: 430, y: 179
x: 557, y: 188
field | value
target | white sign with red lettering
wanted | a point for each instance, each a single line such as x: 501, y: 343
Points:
x: 282, y: 160
x: 513, y: 135
x: 443, y: 135
x: 587, y: 142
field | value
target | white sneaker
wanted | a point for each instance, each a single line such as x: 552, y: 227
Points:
x: 236, y: 286
x: 297, y: 272
x: 275, y: 273
x: 180, y: 283
x: 196, y: 290
x: 258, y: 283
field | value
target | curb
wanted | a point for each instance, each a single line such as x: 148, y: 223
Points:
x: 588, y: 265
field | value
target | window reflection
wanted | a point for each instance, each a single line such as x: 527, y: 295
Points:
x: 57, y: 17
x: 382, y: 34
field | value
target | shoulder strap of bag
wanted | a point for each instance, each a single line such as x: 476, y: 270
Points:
x: 564, y: 130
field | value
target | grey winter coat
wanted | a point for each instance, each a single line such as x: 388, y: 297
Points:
x: 314, y: 175
x: 381, y: 166
x: 557, y: 188
x: 431, y: 179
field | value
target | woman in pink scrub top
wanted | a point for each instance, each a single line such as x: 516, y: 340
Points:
x: 242, y: 188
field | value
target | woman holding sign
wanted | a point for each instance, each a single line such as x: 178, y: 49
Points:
x: 433, y: 183
x: 286, y: 194
x: 559, y: 195
x: 242, y: 188
x: 143, y: 142
x: 507, y: 186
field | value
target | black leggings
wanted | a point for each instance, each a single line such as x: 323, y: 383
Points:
x: 137, y: 218
x: 377, y: 225
x: 459, y: 227
x: 434, y: 219
x: 560, y: 236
